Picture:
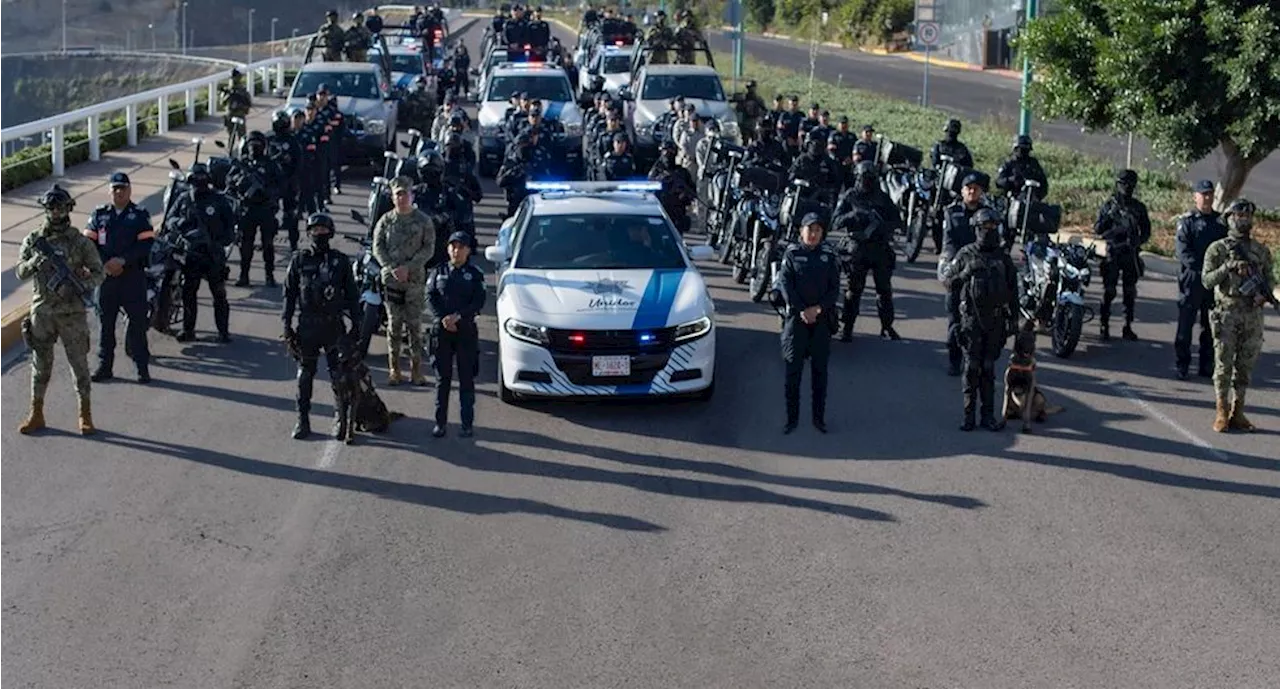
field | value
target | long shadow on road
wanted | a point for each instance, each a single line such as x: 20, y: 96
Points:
x: 465, y: 502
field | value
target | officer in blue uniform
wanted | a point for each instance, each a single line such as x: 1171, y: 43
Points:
x: 808, y: 284
x: 456, y: 292
x: 123, y: 232
x: 1197, y: 229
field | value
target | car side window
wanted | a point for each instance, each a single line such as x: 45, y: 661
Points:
x: 518, y: 227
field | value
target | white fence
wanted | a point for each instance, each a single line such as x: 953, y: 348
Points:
x: 269, y: 70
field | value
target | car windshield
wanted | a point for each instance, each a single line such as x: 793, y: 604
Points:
x: 410, y: 63
x: 668, y: 86
x: 616, y: 64
x: 599, y: 242
x: 345, y: 84
x: 548, y: 88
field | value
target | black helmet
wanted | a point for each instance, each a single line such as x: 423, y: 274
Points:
x: 57, y: 197
x: 235, y: 74
x: 321, y: 220
x: 430, y: 162
x: 1127, y: 177
x: 953, y: 127
x: 198, y: 175
x: 1241, y: 206
x: 281, y: 121
x: 1023, y: 141
x: 864, y: 168
x: 985, y: 216
x: 256, y: 135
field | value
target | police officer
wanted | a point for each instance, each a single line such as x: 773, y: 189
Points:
x: 123, y: 233
x: 789, y: 125
x: 255, y: 182
x: 870, y: 217
x: 811, y: 121
x: 321, y: 287
x: 1197, y: 229
x: 444, y: 205
x: 309, y: 133
x: 236, y: 101
x: 538, y: 32
x: 809, y: 283
x: 866, y: 148
x: 332, y: 115
x: 287, y: 154
x: 202, y: 223
x: 982, y: 282
x: 767, y: 151
x: 751, y: 110
x: 949, y: 145
x: 462, y: 67
x: 456, y: 292
x: 460, y: 159
x: 1231, y: 266
x: 1021, y: 167
x: 844, y: 140
x: 332, y: 37
x: 514, y: 173
x: 514, y: 34
x: 618, y: 164
x: 1123, y: 222
x: 678, y: 188
x: 960, y: 225
x: 816, y: 167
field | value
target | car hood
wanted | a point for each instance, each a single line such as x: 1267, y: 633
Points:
x: 361, y: 107
x: 565, y: 112
x: 650, y: 110
x: 607, y: 299
x: 613, y: 82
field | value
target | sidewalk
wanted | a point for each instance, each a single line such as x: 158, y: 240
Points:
x: 148, y: 169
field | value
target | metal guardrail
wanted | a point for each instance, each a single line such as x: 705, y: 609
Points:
x: 55, y: 127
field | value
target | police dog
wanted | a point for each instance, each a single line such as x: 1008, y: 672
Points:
x: 1023, y: 398
x: 356, y: 398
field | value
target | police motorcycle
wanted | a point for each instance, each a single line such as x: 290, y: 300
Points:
x: 373, y: 315
x: 1053, y: 279
x: 756, y: 228
x: 915, y: 190
x: 797, y: 202
x: 380, y: 190
x: 722, y: 190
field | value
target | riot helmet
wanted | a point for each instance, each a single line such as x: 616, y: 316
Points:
x: 866, y: 175
x: 952, y: 130
x: 430, y: 167
x: 1126, y: 183
x: 58, y: 204
x: 986, y: 224
x: 1022, y: 146
x: 281, y: 122
x: 198, y: 177
x: 256, y: 143
x: 321, y: 229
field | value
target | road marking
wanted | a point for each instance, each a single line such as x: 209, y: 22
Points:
x: 1164, y: 419
x: 330, y: 454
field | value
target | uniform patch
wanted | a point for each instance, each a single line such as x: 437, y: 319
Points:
x: 208, y: 210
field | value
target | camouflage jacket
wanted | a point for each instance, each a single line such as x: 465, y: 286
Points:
x: 77, y: 250
x: 332, y: 37
x: 1225, y: 282
x: 404, y: 240
x: 237, y: 101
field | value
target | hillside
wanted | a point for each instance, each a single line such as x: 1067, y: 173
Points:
x: 36, y: 25
x: 34, y: 88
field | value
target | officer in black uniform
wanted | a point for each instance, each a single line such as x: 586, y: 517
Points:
x: 816, y: 167
x: 678, y: 188
x: 515, y: 34
x: 1019, y: 168
x: 321, y: 287
x: 767, y: 151
x: 949, y: 145
x: 448, y: 206
x: 789, y: 124
x: 332, y: 116
x: 982, y: 282
x: 811, y: 121
x: 287, y: 154
x: 124, y: 235
x: 460, y: 160
x: 618, y: 164
x: 456, y: 292
x: 865, y: 149
x: 538, y: 33
x: 1122, y: 221
x: 960, y: 229
x: 1197, y: 229
x: 514, y: 174
x: 870, y: 217
x: 311, y: 137
x: 202, y: 224
x: 845, y: 140
x: 256, y: 182
x: 809, y: 284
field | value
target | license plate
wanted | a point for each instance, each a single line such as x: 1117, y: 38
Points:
x: 610, y: 366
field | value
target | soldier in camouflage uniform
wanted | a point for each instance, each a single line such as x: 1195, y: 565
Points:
x: 331, y: 37
x: 1236, y: 318
x: 58, y: 314
x: 403, y: 242
x: 750, y: 110
x: 236, y: 102
x: 357, y: 39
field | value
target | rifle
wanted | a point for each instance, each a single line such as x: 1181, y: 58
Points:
x: 62, y: 273
x: 1255, y: 283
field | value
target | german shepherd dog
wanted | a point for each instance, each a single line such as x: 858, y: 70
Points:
x: 1023, y: 398
x: 359, y: 407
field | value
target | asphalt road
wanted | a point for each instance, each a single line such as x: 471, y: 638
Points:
x: 977, y: 96
x: 193, y: 544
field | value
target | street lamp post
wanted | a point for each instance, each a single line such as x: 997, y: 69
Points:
x: 153, y: 36
x: 184, y: 28
x: 273, y: 28
x: 64, y: 26
x: 251, y: 11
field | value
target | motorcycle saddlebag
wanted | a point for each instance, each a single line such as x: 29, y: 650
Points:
x: 895, y: 153
x: 1041, y: 218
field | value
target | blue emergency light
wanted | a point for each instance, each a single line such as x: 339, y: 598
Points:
x: 640, y: 186
x: 548, y: 186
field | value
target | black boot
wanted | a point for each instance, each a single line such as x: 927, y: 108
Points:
x: 1128, y: 333
x: 969, y: 407
x: 303, y: 427
x: 819, y: 405
x: 988, y: 417
x: 305, y: 386
x: 271, y: 279
x: 846, y: 332
x: 102, y: 373
x: 1104, y: 331
x: 340, y: 426
x: 888, y: 333
x: 244, y: 278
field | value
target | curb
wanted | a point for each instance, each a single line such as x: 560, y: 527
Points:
x: 11, y: 326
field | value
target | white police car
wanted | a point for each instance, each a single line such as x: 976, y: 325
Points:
x: 598, y: 296
x: 541, y: 81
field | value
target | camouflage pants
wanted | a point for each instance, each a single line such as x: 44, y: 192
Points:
x: 42, y: 332
x: 405, y: 316
x: 357, y: 55
x: 1237, y: 336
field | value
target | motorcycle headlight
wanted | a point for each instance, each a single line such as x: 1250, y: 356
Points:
x: 692, y: 330
x: 573, y: 129
x: 1070, y: 271
x: 375, y: 126
x: 527, y: 332
x: 729, y: 128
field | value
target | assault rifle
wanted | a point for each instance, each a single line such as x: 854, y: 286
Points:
x: 1255, y: 283
x: 61, y: 274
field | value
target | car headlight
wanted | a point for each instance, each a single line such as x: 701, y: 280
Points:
x: 525, y: 332
x: 573, y: 129
x: 491, y: 130
x: 691, y: 330
x: 729, y: 127
x: 375, y: 126
x: 644, y: 129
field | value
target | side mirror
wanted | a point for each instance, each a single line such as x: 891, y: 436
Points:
x: 592, y: 72
x: 197, y: 140
x: 237, y: 120
x: 378, y: 181
x: 624, y: 93
x: 495, y: 254
x: 175, y: 176
x: 355, y: 215
x: 702, y: 252
x: 390, y: 155
x: 219, y: 144
x: 174, y: 164
x: 414, y: 132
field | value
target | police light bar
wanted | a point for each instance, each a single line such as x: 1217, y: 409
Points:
x: 594, y: 187
x: 640, y: 186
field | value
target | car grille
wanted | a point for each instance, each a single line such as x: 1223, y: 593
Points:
x: 612, y: 341
x: 577, y: 368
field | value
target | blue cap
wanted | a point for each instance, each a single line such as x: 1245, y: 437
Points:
x: 119, y: 179
x: 461, y: 237
x: 811, y: 219
x: 1204, y: 186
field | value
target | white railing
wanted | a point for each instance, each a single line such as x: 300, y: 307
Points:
x: 55, y: 128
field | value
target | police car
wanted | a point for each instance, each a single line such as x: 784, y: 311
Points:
x: 541, y: 81
x: 599, y: 296
x: 611, y: 62
x: 408, y: 62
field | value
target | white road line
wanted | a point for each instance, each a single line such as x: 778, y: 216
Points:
x: 1164, y: 419
x: 329, y: 456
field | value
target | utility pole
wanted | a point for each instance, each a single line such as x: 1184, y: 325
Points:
x: 184, y: 27
x: 273, y: 28
x: 813, y: 51
x: 251, y: 11
x: 1024, y: 123
x: 64, y: 26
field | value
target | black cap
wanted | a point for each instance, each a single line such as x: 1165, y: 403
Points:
x: 119, y: 179
x: 975, y: 177
x: 810, y: 219
x: 460, y: 237
x: 1127, y: 177
x: 619, y: 138
x: 844, y: 119
x: 1204, y: 186
x: 868, y: 128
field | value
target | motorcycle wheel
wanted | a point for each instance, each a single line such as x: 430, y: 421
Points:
x: 761, y: 272
x: 741, y: 271
x: 915, y: 233
x: 1068, y: 319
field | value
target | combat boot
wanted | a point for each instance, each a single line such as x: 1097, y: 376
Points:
x: 1238, y: 420
x: 341, y: 431
x: 1221, y: 422
x: 1104, y: 331
x: 415, y: 371
x: 303, y: 427
x: 988, y: 417
x: 1128, y: 333
x: 35, y: 418
x: 394, y: 377
x: 86, y: 417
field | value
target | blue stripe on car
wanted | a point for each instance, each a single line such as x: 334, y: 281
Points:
x: 553, y: 110
x: 653, y: 312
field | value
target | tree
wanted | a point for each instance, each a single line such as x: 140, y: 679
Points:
x: 1189, y: 75
x: 760, y: 11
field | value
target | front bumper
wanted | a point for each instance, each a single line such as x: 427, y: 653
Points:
x: 361, y: 147
x: 536, y: 371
